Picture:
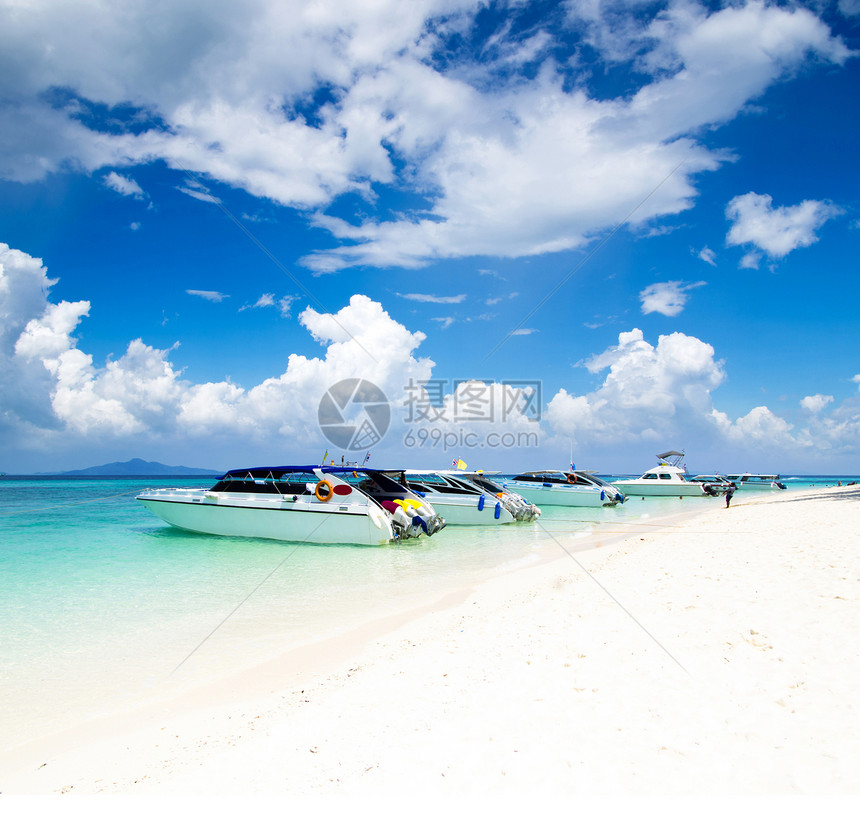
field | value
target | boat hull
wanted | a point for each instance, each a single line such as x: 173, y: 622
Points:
x: 571, y: 496
x: 669, y: 489
x: 276, y: 518
x: 460, y: 512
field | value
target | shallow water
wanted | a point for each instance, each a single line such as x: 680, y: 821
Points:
x: 101, y: 603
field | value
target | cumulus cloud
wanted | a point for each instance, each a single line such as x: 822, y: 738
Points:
x: 663, y: 395
x: 776, y: 231
x: 302, y: 103
x: 53, y: 390
x: 667, y: 298
x: 650, y: 392
x: 816, y: 403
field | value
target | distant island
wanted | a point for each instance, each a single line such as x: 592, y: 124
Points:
x: 139, y: 467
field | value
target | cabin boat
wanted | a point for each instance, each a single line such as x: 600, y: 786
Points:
x: 466, y: 498
x: 757, y: 481
x: 570, y: 488
x: 668, y: 478
x: 299, y: 504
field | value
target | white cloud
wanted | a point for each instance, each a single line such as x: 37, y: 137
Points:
x: 751, y: 260
x: 816, y: 403
x: 123, y: 185
x: 53, y: 392
x: 432, y: 298
x: 267, y: 300
x: 211, y: 296
x: 200, y: 195
x: 651, y: 393
x: 776, y: 231
x: 524, y: 331
x: 708, y: 256
x: 526, y: 165
x: 667, y: 298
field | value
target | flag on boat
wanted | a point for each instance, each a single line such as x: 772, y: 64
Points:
x: 461, y: 465
x: 365, y: 459
x: 324, y: 458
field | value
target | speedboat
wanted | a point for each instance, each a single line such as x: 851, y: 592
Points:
x: 492, y: 483
x: 299, y: 504
x: 571, y: 488
x: 668, y: 478
x: 712, y: 483
x: 466, y: 498
x: 757, y: 481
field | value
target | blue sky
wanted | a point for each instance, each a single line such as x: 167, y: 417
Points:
x: 594, y: 229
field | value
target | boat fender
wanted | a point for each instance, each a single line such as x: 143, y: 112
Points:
x: 481, y: 501
x: 602, y: 495
x: 329, y: 490
x: 498, y: 512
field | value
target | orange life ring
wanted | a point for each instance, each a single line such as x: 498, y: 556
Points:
x: 330, y: 493
x: 571, y: 479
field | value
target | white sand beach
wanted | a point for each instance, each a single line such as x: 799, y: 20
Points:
x: 716, y: 653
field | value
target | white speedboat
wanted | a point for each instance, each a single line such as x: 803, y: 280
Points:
x: 462, y: 500
x: 299, y: 504
x: 571, y: 488
x: 669, y: 478
x: 756, y: 481
x: 492, y: 483
x: 712, y: 483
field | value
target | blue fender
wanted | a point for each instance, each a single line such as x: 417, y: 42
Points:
x: 481, y: 503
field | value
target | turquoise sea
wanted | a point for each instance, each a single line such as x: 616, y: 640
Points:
x: 103, y: 606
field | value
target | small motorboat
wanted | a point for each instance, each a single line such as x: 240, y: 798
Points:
x: 466, y: 498
x: 712, y: 483
x: 571, y: 488
x: 299, y: 504
x: 756, y: 481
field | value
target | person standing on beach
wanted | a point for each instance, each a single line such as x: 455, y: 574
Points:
x: 730, y: 492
